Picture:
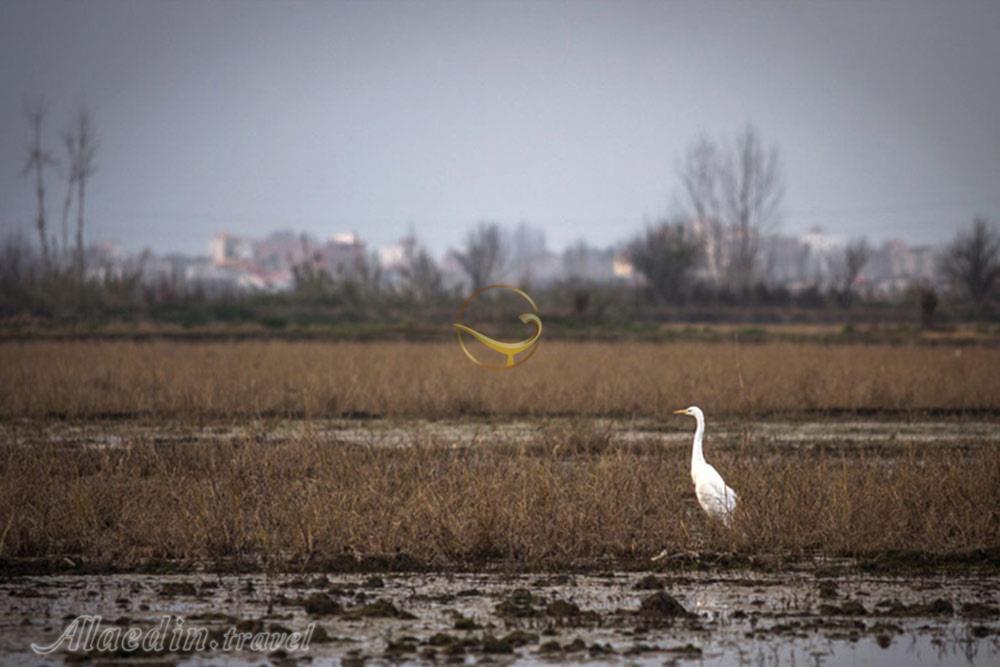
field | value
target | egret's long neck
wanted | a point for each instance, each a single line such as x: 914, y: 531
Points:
x: 696, y: 454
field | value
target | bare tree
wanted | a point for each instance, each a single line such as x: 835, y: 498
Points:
x: 734, y: 194
x: 310, y: 278
x: 37, y: 160
x: 484, y: 256
x: 802, y: 256
x: 527, y: 247
x: 576, y: 260
x: 82, y: 145
x: 68, y: 138
x: 665, y: 255
x: 699, y: 173
x: 366, y: 283
x: 855, y: 258
x: 752, y: 188
x: 420, y: 274
x: 972, y: 261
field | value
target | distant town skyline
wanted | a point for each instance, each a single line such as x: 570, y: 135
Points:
x: 377, y: 118
x: 813, y: 260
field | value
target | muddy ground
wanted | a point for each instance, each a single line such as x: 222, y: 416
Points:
x: 816, y: 616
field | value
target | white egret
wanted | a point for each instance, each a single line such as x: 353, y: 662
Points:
x: 714, y: 496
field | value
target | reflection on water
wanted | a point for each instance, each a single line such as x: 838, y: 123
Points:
x: 461, y: 433
x: 738, y: 618
x: 960, y: 650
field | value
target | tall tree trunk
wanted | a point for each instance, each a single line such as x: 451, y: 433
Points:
x: 43, y: 238
x: 64, y: 252
x: 80, y: 191
x: 83, y: 167
x: 38, y: 159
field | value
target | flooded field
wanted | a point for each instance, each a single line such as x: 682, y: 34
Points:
x: 751, y: 618
x: 259, y: 517
x: 848, y: 433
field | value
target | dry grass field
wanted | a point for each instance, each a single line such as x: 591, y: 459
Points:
x: 564, y: 493
x: 564, y: 498
x: 434, y: 380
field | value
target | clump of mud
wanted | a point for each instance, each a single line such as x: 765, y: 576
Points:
x: 562, y: 609
x: 828, y: 589
x: 649, y: 583
x: 849, y: 608
x: 519, y: 604
x: 980, y: 610
x: 662, y: 605
x: 936, y: 607
x: 321, y: 604
x: 381, y: 608
x: 176, y: 588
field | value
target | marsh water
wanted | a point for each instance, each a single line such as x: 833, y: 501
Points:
x: 773, y: 431
x: 795, y: 617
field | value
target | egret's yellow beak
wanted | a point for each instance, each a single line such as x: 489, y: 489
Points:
x: 681, y: 412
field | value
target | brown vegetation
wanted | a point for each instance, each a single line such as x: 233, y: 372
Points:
x: 570, y: 491
x: 565, y: 497
x: 171, y: 379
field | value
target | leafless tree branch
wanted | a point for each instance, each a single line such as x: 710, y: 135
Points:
x: 38, y: 159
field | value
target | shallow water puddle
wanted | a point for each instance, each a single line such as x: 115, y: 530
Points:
x: 695, y: 618
x: 407, y: 432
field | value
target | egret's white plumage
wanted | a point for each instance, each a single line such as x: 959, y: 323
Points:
x: 714, y: 496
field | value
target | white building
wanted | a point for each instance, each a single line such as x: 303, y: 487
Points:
x: 226, y: 249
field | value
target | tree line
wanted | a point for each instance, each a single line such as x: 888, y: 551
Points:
x: 713, y: 252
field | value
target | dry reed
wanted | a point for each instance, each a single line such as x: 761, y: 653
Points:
x: 311, y: 379
x: 563, y: 498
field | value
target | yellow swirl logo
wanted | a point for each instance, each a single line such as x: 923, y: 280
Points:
x: 525, y: 347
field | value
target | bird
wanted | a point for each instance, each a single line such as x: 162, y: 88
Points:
x: 714, y: 495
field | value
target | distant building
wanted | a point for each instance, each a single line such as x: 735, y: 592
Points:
x: 226, y: 250
x: 234, y: 263
x: 894, y: 267
x: 279, y: 251
x: 343, y: 255
x: 622, y: 267
x: 391, y: 258
x: 107, y: 260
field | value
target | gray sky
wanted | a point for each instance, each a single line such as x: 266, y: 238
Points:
x: 375, y: 116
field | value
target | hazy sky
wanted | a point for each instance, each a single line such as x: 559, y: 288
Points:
x: 375, y: 116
